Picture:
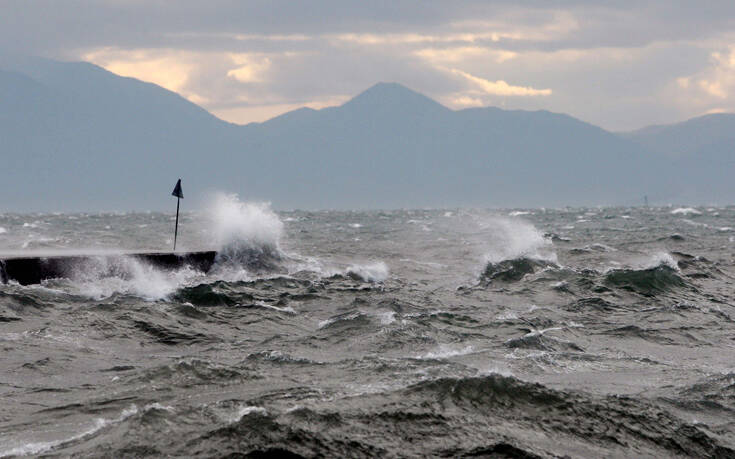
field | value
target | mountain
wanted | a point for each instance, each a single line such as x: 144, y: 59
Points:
x: 76, y: 137
x: 395, y: 147
x: 708, y: 134
x: 700, y: 153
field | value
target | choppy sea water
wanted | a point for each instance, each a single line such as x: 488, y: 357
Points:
x: 411, y: 333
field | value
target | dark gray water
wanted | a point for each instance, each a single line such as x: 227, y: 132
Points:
x: 579, y: 332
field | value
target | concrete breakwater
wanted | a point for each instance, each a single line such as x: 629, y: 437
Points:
x: 33, y: 270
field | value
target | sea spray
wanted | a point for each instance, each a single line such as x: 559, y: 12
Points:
x: 247, y: 234
x: 371, y: 272
x: 101, y: 277
x: 516, y: 248
x: 515, y: 238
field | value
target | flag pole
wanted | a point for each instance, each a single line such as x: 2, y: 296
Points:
x: 178, y: 192
x: 176, y: 229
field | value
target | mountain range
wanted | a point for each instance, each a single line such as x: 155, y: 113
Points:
x: 74, y: 136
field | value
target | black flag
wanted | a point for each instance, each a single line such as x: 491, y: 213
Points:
x: 177, y: 190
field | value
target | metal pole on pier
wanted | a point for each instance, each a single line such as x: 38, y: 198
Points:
x: 179, y: 196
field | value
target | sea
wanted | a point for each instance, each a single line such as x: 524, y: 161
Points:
x: 566, y: 332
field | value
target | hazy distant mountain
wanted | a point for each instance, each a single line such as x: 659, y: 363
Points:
x: 709, y: 133
x: 391, y: 146
x: 74, y: 136
x: 700, y: 151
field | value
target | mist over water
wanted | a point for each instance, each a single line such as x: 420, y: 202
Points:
x: 412, y: 333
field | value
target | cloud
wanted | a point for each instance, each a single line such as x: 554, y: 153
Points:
x: 445, y: 56
x: 460, y: 101
x: 251, y: 68
x: 165, y: 67
x: 712, y: 85
x: 617, y: 64
x: 260, y: 112
x: 500, y: 87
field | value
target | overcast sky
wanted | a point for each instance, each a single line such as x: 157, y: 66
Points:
x: 621, y: 65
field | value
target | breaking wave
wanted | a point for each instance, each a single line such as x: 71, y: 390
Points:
x: 517, y: 248
x: 659, y: 275
x: 373, y: 272
x: 103, y: 276
x: 247, y: 235
x: 515, y: 239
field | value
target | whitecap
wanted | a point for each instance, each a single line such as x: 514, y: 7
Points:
x: 387, y: 317
x: 243, y: 411
x: 287, y: 309
x: 444, y: 351
x: 686, y: 211
x: 372, y: 272
x: 35, y: 448
x: 509, y: 315
x: 662, y: 259
x: 515, y: 238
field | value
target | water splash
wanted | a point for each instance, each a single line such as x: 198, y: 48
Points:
x: 514, y: 238
x: 372, y: 272
x: 101, y: 277
x: 247, y: 234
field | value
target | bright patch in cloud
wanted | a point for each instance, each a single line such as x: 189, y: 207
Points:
x: 713, y: 88
x: 262, y: 111
x: 166, y: 68
x: 500, y: 87
x: 717, y: 81
x: 717, y: 110
x: 251, y: 68
x: 460, y: 101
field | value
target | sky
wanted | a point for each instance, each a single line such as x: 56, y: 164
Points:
x: 621, y: 65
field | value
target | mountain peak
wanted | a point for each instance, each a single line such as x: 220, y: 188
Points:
x: 394, y: 96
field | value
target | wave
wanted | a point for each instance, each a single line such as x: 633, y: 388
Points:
x: 536, y: 340
x: 279, y: 357
x: 517, y: 248
x: 513, y: 270
x: 372, y: 272
x: 596, y: 247
x: 35, y: 448
x: 104, y: 276
x: 588, y: 421
x: 658, y: 277
x: 171, y: 337
x: 686, y: 211
x: 696, y: 267
x: 218, y: 293
x: 247, y: 235
x: 714, y: 392
x: 515, y: 239
x: 189, y: 372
